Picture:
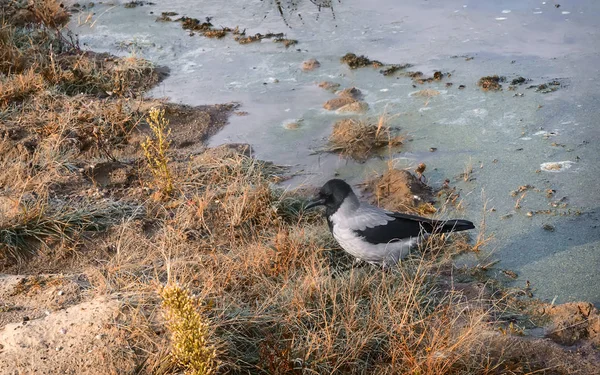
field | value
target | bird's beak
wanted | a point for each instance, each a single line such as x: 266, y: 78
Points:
x: 314, y: 203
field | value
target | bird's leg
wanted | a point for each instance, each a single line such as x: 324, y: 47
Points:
x: 358, y: 263
x: 386, y: 267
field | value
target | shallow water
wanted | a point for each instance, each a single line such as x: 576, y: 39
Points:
x: 505, y: 137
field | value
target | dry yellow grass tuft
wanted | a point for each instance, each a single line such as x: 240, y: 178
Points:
x: 50, y: 13
x: 491, y: 83
x: 359, y: 139
x: 16, y: 88
x: 11, y: 58
x: 399, y: 190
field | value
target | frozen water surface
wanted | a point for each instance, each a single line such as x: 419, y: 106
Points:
x: 509, y: 138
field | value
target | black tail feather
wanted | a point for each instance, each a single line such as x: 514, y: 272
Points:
x: 412, y: 223
x: 454, y: 226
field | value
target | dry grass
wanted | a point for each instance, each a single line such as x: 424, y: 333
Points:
x: 101, y: 74
x: 264, y: 289
x: 491, y: 83
x: 287, y: 304
x: 355, y: 62
x: 38, y: 223
x: 50, y: 130
x: 11, y: 58
x: 281, y: 297
x: 399, y: 190
x: 16, y: 88
x: 50, y: 13
x: 359, y: 139
x: 467, y: 175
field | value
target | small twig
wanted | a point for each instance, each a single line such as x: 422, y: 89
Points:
x: 101, y: 14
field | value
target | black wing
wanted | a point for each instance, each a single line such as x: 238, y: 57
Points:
x: 405, y: 226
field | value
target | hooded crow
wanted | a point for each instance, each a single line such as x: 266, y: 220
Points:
x: 373, y: 234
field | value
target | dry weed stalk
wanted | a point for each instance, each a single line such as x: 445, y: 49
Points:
x: 468, y: 170
x: 483, y: 239
x: 518, y: 202
x: 189, y: 329
x: 156, y: 149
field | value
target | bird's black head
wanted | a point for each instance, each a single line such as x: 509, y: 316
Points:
x: 331, y: 195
